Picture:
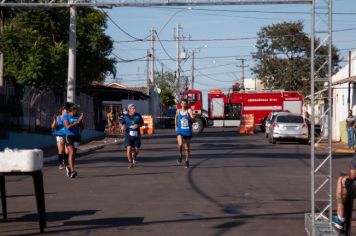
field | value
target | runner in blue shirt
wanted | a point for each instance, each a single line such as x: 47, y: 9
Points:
x: 183, y: 122
x: 58, y: 129
x: 130, y: 126
x: 73, y: 126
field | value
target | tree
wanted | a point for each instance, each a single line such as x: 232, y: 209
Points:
x: 35, y: 43
x: 168, y: 88
x: 283, y: 57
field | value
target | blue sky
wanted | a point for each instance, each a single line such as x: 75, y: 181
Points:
x: 217, y: 65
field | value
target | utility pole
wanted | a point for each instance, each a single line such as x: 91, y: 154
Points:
x: 162, y: 77
x: 148, y: 73
x: 242, y: 73
x: 349, y: 85
x: 193, y: 55
x: 72, y: 58
x: 177, y: 37
x: 152, y: 59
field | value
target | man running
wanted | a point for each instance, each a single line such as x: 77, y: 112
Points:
x: 183, y: 122
x: 130, y: 126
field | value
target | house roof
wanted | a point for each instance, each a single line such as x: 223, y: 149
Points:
x: 346, y: 80
x: 116, y: 91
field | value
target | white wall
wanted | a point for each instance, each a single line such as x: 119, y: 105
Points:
x: 340, y: 94
x: 142, y: 106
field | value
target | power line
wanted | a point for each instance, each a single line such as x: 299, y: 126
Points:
x: 124, y: 31
x: 207, y: 76
x: 128, y: 60
x: 255, y: 11
x: 236, y: 39
x: 160, y: 42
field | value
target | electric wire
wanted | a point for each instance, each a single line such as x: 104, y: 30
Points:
x: 128, y: 60
x: 165, y: 51
x: 122, y: 30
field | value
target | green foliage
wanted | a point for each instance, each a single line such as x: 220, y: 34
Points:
x: 283, y: 58
x: 35, y: 46
x: 168, y: 88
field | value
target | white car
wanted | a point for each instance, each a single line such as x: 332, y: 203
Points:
x: 288, y: 126
x: 269, y: 120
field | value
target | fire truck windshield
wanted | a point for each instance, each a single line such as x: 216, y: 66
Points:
x: 191, y: 98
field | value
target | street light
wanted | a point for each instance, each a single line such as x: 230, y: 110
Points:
x: 172, y: 16
x: 193, y: 56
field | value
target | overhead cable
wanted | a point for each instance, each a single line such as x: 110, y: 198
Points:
x: 128, y: 60
x: 173, y: 59
x: 124, y: 31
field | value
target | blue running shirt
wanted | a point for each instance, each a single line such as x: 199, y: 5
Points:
x: 71, y: 119
x: 184, y: 125
x: 60, y: 126
x: 129, y: 121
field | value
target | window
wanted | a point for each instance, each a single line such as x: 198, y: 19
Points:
x: 290, y: 119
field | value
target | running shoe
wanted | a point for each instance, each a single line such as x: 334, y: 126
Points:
x: 186, y: 163
x: 134, y: 161
x: 68, y: 172
x: 73, y: 174
x: 179, y: 160
x: 337, y: 222
x: 131, y: 165
x: 61, y: 167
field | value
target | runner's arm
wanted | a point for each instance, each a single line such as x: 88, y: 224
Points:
x: 191, y: 115
x: 54, y: 122
x: 176, y: 120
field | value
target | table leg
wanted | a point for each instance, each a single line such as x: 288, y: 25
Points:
x: 3, y: 196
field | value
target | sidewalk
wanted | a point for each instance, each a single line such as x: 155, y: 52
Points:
x: 50, y: 153
x: 337, y: 147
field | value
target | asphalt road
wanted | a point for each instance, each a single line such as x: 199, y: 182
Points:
x: 237, y: 185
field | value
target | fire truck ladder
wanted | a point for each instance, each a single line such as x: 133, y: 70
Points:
x: 318, y: 222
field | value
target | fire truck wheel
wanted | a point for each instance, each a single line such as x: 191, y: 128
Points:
x: 198, y: 126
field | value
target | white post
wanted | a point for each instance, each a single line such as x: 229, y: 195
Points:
x: 178, y: 59
x: 72, y: 55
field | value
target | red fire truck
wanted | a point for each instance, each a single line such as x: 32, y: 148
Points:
x: 226, y: 109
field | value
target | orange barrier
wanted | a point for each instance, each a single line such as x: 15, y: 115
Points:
x: 147, y: 127
x: 247, y: 124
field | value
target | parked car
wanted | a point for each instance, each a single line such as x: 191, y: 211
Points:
x: 169, y: 118
x: 271, y: 116
x: 288, y: 126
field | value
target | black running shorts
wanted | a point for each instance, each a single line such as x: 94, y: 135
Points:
x: 132, y: 141
x: 73, y: 140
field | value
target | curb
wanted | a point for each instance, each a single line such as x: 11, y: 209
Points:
x: 83, y: 151
x: 336, y: 149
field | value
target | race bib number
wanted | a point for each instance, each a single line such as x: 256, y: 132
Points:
x: 184, y: 123
x: 133, y: 133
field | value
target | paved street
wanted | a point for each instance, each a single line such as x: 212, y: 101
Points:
x: 237, y: 185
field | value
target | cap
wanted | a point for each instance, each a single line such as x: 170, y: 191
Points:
x: 130, y: 105
x: 74, y: 107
